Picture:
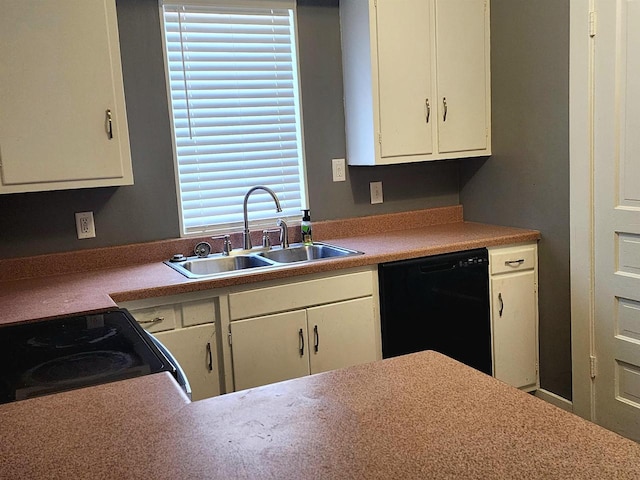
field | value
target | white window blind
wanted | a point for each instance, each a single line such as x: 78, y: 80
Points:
x: 233, y: 81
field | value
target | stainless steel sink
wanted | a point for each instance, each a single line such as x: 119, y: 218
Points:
x: 219, y: 264
x: 204, y: 267
x: 305, y: 253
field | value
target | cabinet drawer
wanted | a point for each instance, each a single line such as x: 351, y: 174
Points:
x: 280, y: 298
x: 511, y: 259
x: 156, y: 319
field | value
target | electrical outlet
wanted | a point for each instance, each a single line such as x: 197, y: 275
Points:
x: 339, y: 173
x: 376, y: 192
x: 84, y: 225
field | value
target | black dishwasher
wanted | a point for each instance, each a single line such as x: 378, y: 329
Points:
x: 438, y: 303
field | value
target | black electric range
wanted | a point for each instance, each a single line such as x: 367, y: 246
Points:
x: 48, y: 356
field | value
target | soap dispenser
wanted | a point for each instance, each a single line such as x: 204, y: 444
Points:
x: 305, y: 228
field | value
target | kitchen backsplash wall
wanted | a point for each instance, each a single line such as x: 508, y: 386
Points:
x: 37, y: 223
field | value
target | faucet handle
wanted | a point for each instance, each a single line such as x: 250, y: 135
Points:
x: 226, y: 247
x: 266, y: 241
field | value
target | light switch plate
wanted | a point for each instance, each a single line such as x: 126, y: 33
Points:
x: 338, y: 167
x: 376, y: 192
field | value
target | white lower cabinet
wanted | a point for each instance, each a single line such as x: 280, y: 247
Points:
x: 195, y: 350
x: 186, y: 325
x: 324, y: 328
x: 269, y: 349
x: 341, y: 334
x: 514, y: 314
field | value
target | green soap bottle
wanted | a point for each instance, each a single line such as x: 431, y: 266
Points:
x: 305, y: 228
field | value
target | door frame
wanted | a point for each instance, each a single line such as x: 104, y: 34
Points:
x: 581, y: 201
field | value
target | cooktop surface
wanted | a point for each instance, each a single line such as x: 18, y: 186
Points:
x: 54, y: 355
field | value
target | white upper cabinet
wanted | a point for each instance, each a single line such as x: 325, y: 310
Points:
x: 405, y: 113
x: 63, y: 122
x: 416, y: 80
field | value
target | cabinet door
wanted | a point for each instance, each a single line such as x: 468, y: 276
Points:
x: 195, y: 350
x: 404, y: 77
x: 269, y: 349
x: 462, y: 68
x: 514, y: 318
x: 60, y: 75
x: 341, y: 334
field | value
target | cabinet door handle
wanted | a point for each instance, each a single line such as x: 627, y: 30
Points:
x: 512, y: 263
x: 301, y: 335
x: 210, y: 356
x: 444, y: 109
x: 155, y: 320
x: 109, y: 124
x: 426, y: 103
x: 501, y: 304
x: 316, y: 342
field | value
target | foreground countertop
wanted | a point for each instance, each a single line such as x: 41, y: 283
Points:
x: 61, y: 291
x: 417, y: 416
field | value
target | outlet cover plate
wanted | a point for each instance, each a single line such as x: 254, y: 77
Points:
x: 376, y: 192
x: 338, y: 168
x: 84, y: 225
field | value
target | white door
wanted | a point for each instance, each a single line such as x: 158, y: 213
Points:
x: 195, y: 350
x: 461, y: 32
x: 341, y: 334
x: 269, y: 349
x: 404, y: 75
x: 617, y: 216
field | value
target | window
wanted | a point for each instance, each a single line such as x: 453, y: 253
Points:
x: 234, y: 93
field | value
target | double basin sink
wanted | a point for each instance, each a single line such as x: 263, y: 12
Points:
x: 219, y: 264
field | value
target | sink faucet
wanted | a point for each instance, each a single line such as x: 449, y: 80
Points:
x: 247, y: 233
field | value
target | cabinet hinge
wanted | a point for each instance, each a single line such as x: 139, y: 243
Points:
x: 375, y: 3
x: 593, y: 366
x: 593, y: 23
x: 380, y: 138
x: 229, y: 337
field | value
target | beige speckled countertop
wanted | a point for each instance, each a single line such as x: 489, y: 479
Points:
x: 85, y: 281
x: 419, y: 416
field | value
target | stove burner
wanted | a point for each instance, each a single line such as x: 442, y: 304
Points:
x: 88, y: 366
x: 72, y: 338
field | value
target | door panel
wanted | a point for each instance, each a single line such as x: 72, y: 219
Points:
x: 268, y: 349
x: 404, y: 76
x: 343, y: 333
x: 55, y: 91
x: 617, y: 216
x: 514, y: 314
x: 461, y: 70
x: 189, y: 347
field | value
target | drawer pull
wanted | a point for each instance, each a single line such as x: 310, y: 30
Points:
x: 501, y: 304
x: 155, y: 320
x: 426, y: 104
x: 317, y: 338
x: 514, y: 263
x: 210, y: 366
x: 301, y: 335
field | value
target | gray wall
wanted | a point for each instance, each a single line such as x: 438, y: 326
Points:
x: 526, y: 181
x: 37, y: 223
